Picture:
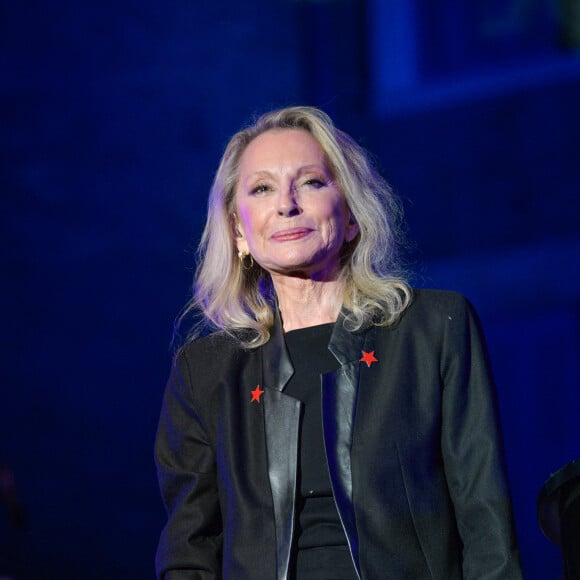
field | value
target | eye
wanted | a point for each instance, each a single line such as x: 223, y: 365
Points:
x: 260, y: 188
x: 315, y: 183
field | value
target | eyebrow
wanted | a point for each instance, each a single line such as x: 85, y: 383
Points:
x: 301, y: 170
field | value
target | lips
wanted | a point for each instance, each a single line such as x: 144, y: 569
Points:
x: 291, y: 234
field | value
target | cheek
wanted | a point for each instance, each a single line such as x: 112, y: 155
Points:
x: 248, y: 218
x: 340, y: 219
x: 250, y: 222
x: 241, y: 210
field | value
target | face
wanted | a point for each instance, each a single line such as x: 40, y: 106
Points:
x: 290, y: 215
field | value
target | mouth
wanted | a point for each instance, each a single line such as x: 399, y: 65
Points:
x: 291, y: 234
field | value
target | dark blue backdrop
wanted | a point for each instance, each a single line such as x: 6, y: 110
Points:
x: 113, y: 117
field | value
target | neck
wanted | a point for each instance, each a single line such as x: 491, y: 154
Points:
x: 306, y: 302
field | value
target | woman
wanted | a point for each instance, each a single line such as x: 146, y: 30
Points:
x: 338, y: 424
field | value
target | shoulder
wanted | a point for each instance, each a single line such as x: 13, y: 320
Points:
x: 211, y: 354
x: 441, y: 324
x: 438, y: 299
x: 438, y: 309
x: 206, y: 370
x: 221, y: 340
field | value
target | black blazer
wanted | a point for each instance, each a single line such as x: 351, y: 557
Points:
x: 413, y: 447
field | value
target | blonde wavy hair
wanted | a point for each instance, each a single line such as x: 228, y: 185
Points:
x: 239, y: 298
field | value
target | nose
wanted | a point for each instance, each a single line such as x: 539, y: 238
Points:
x: 287, y: 203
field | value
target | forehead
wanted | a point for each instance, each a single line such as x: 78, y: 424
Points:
x: 279, y: 145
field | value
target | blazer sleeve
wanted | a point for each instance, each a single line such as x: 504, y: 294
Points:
x: 190, y: 543
x: 472, y: 450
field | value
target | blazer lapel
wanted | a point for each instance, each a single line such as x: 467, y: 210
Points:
x: 281, y: 416
x: 276, y: 366
x: 339, y: 395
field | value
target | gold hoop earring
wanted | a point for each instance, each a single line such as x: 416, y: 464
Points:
x: 242, y: 258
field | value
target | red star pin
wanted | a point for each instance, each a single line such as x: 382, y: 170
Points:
x: 256, y: 394
x: 369, y: 358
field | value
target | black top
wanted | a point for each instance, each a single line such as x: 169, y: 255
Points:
x: 322, y: 551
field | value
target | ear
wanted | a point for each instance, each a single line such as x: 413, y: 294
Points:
x: 238, y: 233
x: 242, y: 245
x: 352, y: 229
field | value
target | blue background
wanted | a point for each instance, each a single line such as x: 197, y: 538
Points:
x: 113, y: 116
